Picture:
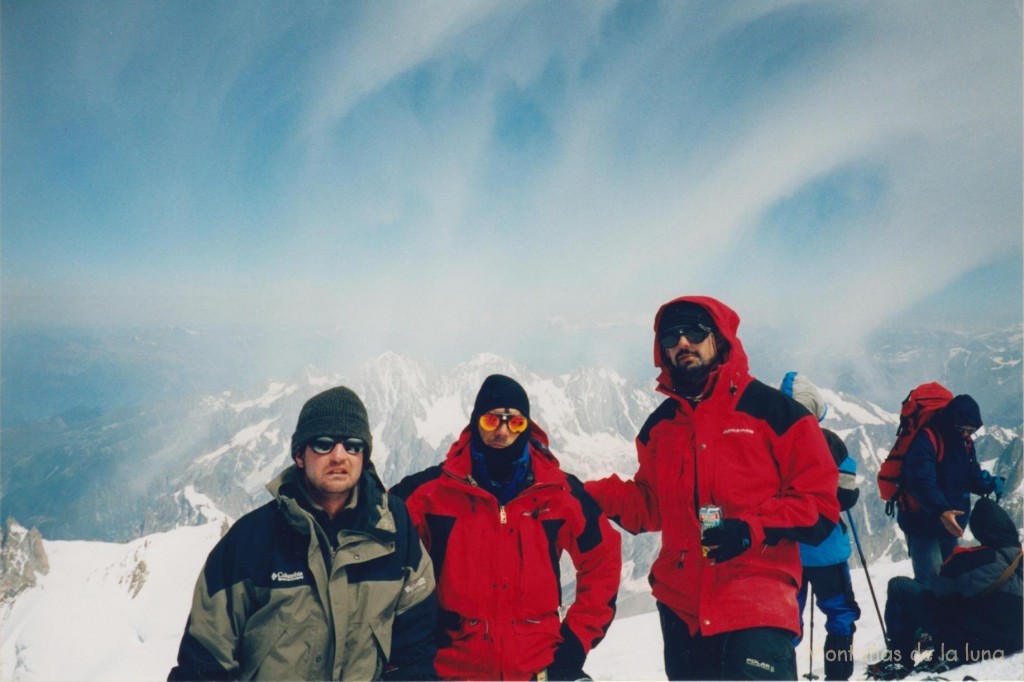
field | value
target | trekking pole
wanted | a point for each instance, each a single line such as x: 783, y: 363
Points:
x: 810, y: 644
x: 867, y: 574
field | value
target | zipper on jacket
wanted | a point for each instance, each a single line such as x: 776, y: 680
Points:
x: 504, y: 516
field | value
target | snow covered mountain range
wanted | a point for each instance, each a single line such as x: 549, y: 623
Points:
x: 129, y: 473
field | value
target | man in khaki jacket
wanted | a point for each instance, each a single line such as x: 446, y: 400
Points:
x: 328, y: 581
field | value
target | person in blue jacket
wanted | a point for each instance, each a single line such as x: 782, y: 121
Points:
x: 940, y: 471
x: 825, y: 566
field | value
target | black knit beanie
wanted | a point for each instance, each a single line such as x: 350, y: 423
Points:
x: 499, y: 390
x: 682, y: 313
x: 336, y: 412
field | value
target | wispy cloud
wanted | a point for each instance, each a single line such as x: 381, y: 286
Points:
x: 487, y: 167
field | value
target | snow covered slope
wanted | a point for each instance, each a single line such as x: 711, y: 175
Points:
x: 115, y: 612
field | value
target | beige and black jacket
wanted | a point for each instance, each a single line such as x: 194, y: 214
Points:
x: 281, y: 598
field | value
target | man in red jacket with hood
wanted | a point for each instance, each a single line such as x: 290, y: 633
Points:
x: 726, y: 595
x: 496, y: 516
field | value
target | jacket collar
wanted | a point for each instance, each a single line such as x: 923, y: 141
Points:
x: 371, y: 514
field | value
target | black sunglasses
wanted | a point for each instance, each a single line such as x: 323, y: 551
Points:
x: 325, y: 444
x: 694, y: 333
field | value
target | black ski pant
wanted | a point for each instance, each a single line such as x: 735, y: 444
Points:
x: 749, y: 654
x: 909, y: 606
x: 952, y: 622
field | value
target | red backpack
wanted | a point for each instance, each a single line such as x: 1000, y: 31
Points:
x: 917, y: 409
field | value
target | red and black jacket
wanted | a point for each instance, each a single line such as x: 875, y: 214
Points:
x: 497, y: 567
x: 748, y: 449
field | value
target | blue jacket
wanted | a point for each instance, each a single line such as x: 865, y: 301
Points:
x: 835, y: 549
x: 937, y: 484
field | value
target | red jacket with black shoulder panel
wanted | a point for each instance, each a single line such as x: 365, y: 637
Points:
x: 497, y: 568
x: 752, y: 451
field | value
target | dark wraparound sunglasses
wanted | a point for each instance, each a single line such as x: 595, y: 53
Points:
x: 325, y: 444
x: 694, y: 333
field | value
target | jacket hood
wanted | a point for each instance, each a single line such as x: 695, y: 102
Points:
x: 734, y: 360
x: 962, y: 410
x: 992, y: 526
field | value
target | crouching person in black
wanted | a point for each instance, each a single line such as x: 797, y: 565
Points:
x: 973, y: 608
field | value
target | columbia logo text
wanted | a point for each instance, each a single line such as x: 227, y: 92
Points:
x: 748, y: 431
x: 418, y: 585
x: 282, y: 577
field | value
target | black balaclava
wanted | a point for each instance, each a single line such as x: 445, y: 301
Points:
x: 687, y: 381
x: 497, y: 391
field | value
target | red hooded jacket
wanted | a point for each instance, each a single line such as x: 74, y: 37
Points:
x: 497, y: 568
x: 752, y: 451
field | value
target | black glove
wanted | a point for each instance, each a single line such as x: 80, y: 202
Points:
x: 728, y: 540
x: 847, y: 497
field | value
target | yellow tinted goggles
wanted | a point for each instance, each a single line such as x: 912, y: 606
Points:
x: 516, y: 423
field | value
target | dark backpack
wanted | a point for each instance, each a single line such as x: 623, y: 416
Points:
x: 917, y: 409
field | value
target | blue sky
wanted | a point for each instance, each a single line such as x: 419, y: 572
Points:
x: 510, y: 176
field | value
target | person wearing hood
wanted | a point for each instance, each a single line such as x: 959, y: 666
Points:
x: 940, y: 471
x: 973, y: 610
x: 734, y: 474
x: 826, y: 568
x: 327, y: 581
x: 496, y: 517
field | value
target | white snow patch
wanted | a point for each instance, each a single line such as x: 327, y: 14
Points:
x: 380, y: 452
x: 204, y: 505
x: 246, y: 438
x: 81, y: 622
x: 592, y: 456
x: 257, y: 479
x: 275, y: 391
x: 440, y: 416
x: 840, y: 405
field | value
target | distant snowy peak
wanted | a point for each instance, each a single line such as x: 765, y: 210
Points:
x: 317, y: 378
x: 846, y: 410
x: 390, y: 381
x: 275, y: 392
x: 394, y: 369
x: 487, y: 362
